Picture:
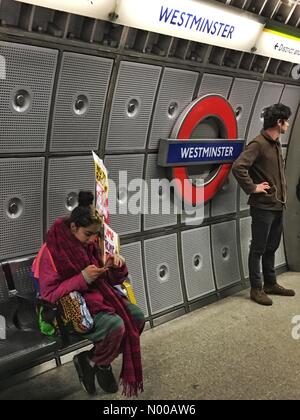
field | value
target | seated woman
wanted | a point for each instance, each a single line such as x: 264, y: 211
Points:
x: 72, y: 261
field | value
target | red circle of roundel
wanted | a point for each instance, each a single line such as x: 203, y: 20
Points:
x: 209, y: 106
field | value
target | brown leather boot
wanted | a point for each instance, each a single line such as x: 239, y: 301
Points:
x: 259, y: 296
x: 278, y: 290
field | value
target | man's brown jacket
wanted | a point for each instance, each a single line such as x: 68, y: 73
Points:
x: 262, y: 161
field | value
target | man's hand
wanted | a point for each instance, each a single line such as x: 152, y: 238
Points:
x: 114, y: 261
x: 94, y: 272
x: 262, y: 188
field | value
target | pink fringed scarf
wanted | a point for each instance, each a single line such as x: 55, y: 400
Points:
x: 70, y: 257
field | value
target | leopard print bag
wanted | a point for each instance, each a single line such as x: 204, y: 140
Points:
x: 74, y: 313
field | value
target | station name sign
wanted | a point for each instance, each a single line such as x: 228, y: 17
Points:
x: 195, y: 20
x: 202, y: 21
x: 198, y: 152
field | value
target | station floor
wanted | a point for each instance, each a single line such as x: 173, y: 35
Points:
x: 233, y: 349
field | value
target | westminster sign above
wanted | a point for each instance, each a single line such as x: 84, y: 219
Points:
x: 202, y: 21
x: 196, y: 20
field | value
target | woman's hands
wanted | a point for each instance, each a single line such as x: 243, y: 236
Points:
x: 92, y: 273
x: 114, y: 261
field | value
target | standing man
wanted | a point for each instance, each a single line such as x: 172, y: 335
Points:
x: 260, y: 172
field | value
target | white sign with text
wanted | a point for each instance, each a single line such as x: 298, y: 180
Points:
x: 279, y: 46
x: 196, y: 20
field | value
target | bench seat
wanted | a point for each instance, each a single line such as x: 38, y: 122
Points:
x: 23, y: 349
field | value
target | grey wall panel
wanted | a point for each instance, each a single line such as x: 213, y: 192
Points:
x: 26, y: 97
x: 176, y: 92
x: 197, y: 262
x: 79, y: 104
x: 245, y: 237
x: 225, y: 254
x: 133, y: 256
x: 162, y: 271
x: 215, y: 84
x: 132, y: 106
x: 206, y: 130
x: 269, y: 94
x: 21, y: 192
x: 122, y: 220
x: 153, y: 221
x: 66, y: 177
x: 291, y: 98
x: 225, y: 200
x: 242, y: 98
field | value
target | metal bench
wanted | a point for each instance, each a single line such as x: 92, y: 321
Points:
x: 21, y: 276
x: 24, y: 346
x: 21, y: 343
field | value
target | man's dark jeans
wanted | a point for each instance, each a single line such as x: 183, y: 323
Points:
x: 266, y: 235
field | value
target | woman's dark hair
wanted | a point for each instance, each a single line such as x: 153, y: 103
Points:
x: 85, y: 214
x: 274, y: 113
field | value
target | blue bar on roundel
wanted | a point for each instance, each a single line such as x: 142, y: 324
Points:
x: 187, y: 153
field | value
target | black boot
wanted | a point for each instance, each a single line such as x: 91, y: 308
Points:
x: 85, y: 372
x: 106, y: 379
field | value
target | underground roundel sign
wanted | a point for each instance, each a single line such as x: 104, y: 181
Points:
x: 211, y: 158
